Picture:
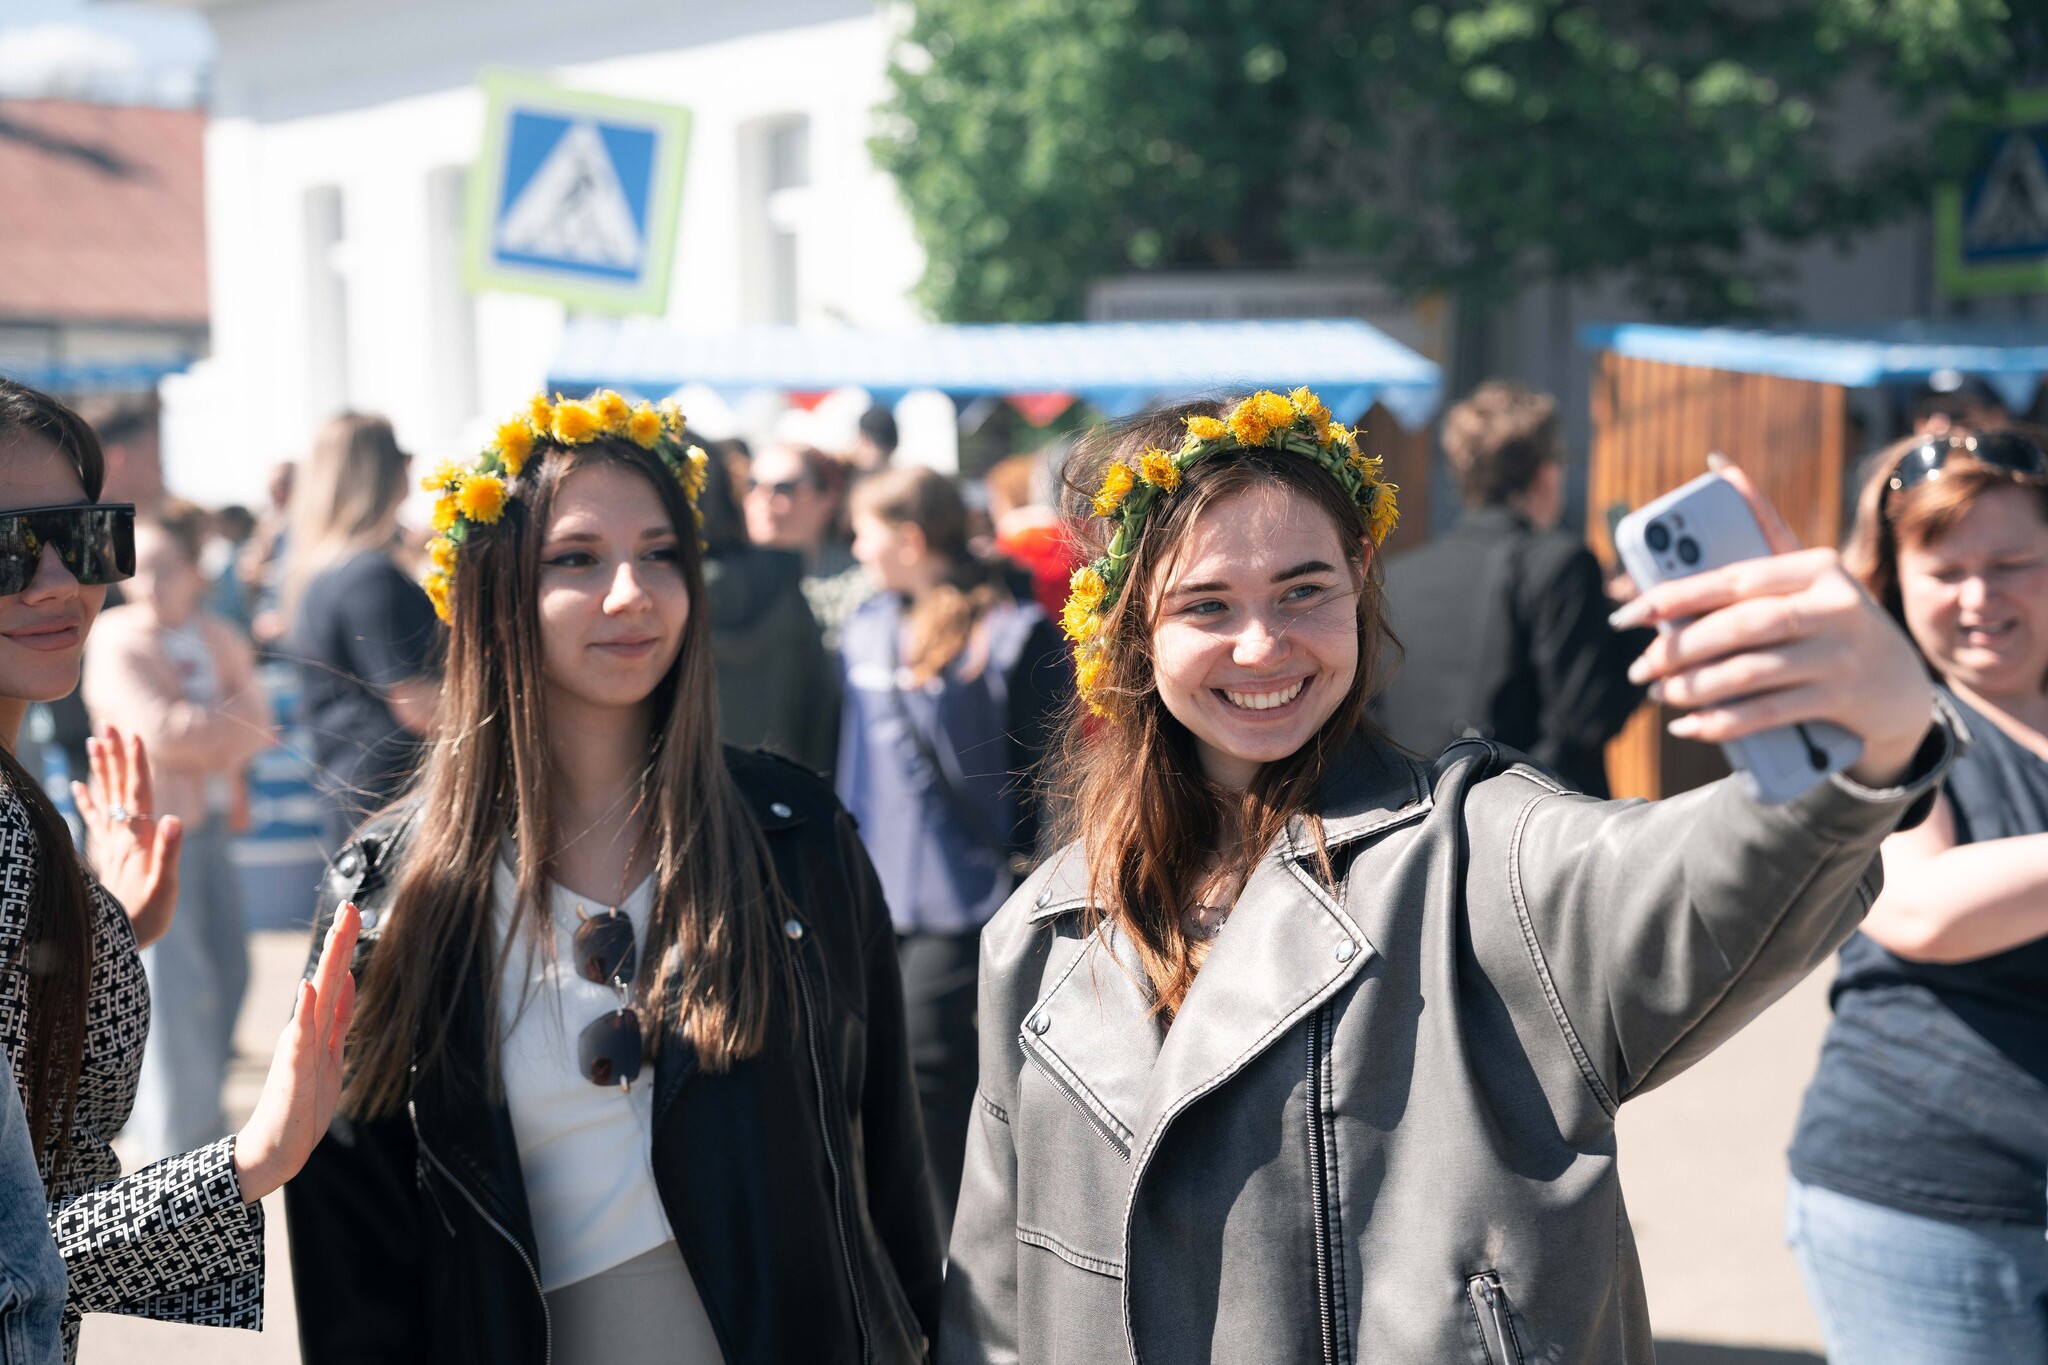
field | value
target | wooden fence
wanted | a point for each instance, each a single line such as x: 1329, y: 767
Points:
x: 1407, y: 454
x: 1653, y: 425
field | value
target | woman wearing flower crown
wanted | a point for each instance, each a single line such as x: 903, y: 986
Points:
x: 631, y: 1080
x: 1307, y: 1051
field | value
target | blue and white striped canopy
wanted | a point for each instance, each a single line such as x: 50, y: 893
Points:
x: 1118, y: 368
x: 2011, y: 357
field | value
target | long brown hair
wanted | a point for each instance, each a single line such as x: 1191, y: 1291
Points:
x: 722, y: 965
x: 1130, y: 784
x: 942, y: 618
x: 343, y: 499
x: 56, y: 944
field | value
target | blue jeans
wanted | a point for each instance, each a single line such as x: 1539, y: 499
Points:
x: 197, y: 975
x: 1896, y: 1288
x: 32, y: 1282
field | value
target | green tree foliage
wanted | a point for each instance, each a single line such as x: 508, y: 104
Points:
x: 1462, y: 145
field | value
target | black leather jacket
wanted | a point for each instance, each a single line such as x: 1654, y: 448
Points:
x: 796, y: 1183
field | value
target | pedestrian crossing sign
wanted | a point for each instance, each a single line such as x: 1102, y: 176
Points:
x: 575, y: 195
x: 1991, y: 229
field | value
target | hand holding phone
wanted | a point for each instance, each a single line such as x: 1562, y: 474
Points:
x: 1768, y: 643
x: 1707, y: 525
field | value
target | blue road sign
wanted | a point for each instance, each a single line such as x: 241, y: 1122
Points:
x: 576, y: 196
x: 1991, y: 229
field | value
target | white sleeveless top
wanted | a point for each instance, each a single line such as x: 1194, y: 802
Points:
x: 585, y: 1150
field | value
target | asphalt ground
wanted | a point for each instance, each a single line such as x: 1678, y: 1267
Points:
x: 1702, y: 1167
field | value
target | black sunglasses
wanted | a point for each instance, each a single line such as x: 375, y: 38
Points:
x: 95, y: 541
x: 784, y: 488
x: 608, y: 1050
x: 2006, y: 450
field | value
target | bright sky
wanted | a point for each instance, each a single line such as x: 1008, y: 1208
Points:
x: 124, y: 53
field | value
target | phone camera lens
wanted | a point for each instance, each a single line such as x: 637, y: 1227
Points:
x: 1688, y: 549
x: 1657, y: 537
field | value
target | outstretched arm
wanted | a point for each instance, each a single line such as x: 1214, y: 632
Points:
x: 1660, y: 929
x: 1950, y: 902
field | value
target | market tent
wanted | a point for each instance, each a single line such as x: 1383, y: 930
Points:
x: 2011, y: 357
x: 1116, y: 367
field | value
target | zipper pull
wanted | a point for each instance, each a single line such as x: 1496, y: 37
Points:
x: 1501, y: 1346
x: 420, y: 1174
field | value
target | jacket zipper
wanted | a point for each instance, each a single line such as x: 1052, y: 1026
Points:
x: 1319, y: 1189
x: 1059, y: 1083
x: 803, y: 985
x: 1496, y: 1324
x: 546, y: 1319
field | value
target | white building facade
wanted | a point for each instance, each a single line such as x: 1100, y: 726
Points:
x: 336, y: 163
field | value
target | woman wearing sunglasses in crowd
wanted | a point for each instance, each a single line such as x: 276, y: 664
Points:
x: 180, y: 1240
x: 1309, y: 1051
x: 631, y: 1081
x: 1918, y: 1205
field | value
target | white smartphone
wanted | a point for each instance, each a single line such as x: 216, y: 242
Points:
x: 1705, y: 525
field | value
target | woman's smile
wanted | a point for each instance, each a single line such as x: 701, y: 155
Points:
x: 1266, y: 701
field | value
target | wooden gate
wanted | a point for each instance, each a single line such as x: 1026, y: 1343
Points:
x: 1407, y: 455
x: 1653, y: 425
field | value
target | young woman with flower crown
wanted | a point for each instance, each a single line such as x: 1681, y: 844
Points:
x: 1305, y: 1050
x: 631, y: 1081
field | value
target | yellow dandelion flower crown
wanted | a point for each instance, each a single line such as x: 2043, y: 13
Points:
x: 1297, y: 423
x: 475, y: 494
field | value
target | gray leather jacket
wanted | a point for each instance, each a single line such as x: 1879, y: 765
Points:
x: 1381, y: 1128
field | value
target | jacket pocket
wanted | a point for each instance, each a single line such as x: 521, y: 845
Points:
x: 1496, y: 1318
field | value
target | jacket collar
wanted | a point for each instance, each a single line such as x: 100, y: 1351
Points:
x: 1289, y: 946
x: 1372, y: 786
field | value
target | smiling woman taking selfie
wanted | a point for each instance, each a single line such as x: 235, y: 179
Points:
x: 1308, y: 1051
x: 632, y: 1083
x: 180, y: 1240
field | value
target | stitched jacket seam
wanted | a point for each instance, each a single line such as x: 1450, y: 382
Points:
x: 1587, y: 1071
x: 1079, y: 1260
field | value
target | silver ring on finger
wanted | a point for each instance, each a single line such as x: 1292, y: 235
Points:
x: 118, y: 813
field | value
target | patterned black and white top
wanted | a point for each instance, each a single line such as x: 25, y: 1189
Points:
x: 172, y: 1241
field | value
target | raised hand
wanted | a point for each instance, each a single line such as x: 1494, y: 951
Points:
x: 134, y: 851
x: 1771, y: 642
x: 304, y: 1083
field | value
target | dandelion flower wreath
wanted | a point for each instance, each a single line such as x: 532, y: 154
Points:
x: 475, y: 494
x: 1297, y: 423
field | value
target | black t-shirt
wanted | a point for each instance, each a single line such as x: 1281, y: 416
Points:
x: 1932, y: 1093
x: 361, y: 627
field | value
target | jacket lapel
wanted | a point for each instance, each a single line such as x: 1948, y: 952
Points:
x: 1094, y: 1034
x: 465, y: 1132
x: 1288, y: 946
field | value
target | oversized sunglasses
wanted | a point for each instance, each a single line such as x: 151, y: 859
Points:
x: 2006, y: 450
x: 608, y: 1050
x: 94, y: 540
